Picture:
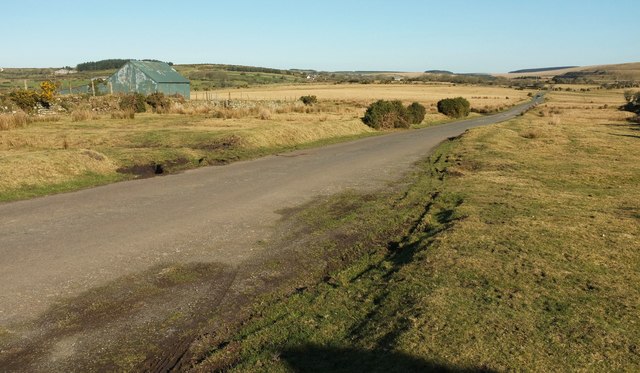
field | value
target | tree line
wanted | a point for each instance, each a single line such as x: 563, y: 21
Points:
x: 110, y: 64
x: 102, y: 65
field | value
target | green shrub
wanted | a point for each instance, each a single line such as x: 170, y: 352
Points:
x: 633, y: 101
x: 159, y: 102
x: 454, y: 107
x: 384, y: 114
x: 309, y: 100
x: 416, y: 113
x: 133, y: 102
x: 25, y: 99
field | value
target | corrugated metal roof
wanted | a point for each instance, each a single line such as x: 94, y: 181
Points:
x: 160, y: 72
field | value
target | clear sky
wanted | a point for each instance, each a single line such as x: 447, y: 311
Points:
x: 329, y: 35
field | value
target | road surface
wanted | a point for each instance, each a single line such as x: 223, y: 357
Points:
x: 62, y: 245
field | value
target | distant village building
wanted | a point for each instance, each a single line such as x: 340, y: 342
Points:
x: 64, y: 72
x: 148, y: 77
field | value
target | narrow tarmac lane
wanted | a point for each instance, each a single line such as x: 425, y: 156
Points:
x: 61, y: 245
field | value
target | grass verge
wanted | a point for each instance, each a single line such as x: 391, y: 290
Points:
x: 54, y: 157
x: 515, y: 249
x: 86, y: 180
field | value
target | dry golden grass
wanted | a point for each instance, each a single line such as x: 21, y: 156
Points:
x: 23, y: 168
x: 364, y: 94
x: 83, y: 115
x: 123, y: 114
x: 11, y: 121
x: 46, y: 153
x: 20, y: 119
x: 265, y: 114
x: 576, y: 87
x: 292, y: 133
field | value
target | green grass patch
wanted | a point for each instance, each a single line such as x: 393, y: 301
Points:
x: 87, y: 180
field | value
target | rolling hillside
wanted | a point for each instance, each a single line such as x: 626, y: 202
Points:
x: 625, y: 71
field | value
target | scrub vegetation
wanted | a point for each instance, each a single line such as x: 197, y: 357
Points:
x: 392, y: 114
x: 454, y: 107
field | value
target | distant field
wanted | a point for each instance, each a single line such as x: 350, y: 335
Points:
x: 366, y: 93
x: 209, y: 76
x: 15, y: 78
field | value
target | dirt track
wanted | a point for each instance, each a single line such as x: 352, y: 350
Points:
x: 61, y: 246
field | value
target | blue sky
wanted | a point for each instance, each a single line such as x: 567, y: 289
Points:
x: 405, y: 35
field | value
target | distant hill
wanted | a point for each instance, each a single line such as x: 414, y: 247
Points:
x: 367, y: 72
x: 596, y: 74
x: 541, y: 69
x: 613, y: 76
x: 442, y: 72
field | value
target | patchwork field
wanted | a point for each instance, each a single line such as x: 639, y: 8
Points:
x: 54, y: 153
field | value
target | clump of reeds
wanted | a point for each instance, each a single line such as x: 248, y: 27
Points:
x: 15, y: 120
x: 83, y: 115
x: 123, y: 114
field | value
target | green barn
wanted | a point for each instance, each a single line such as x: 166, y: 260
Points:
x: 148, y: 77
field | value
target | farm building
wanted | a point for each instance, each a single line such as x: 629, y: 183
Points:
x: 148, y: 77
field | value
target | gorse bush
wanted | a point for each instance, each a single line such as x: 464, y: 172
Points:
x: 416, y: 113
x: 25, y: 99
x: 159, y: 102
x: 309, y: 100
x: 633, y: 101
x: 454, y: 107
x: 47, y: 92
x: 384, y: 114
x: 133, y: 102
